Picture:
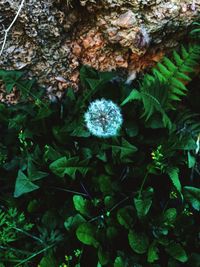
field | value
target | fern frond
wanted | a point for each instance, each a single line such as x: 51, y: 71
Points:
x: 175, y: 71
x: 166, y: 84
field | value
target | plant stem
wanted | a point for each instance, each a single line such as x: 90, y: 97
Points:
x: 26, y: 233
x: 142, y: 185
x: 119, y: 203
x: 34, y: 255
x: 70, y: 191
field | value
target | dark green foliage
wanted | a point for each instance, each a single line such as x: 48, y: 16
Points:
x: 130, y: 200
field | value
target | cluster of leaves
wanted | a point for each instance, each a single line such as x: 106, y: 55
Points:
x: 130, y: 200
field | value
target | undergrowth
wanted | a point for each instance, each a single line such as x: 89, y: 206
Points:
x: 69, y: 198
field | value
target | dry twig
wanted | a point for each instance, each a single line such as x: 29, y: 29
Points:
x: 10, y: 26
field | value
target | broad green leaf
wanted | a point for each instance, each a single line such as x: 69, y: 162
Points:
x: 105, y: 184
x: 81, y: 204
x: 103, y: 256
x: 152, y: 254
x: 142, y: 206
x: 86, y: 234
x: 51, y: 154
x: 69, y: 166
x: 73, y: 222
x: 169, y: 217
x: 48, y: 261
x: 119, y: 262
x: 125, y: 216
x: 139, y: 242
x: 174, y: 176
x: 143, y: 202
x: 191, y: 160
x: 192, y: 195
x: 176, y: 251
x: 23, y: 185
x: 33, y: 173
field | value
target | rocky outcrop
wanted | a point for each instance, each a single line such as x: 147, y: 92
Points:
x: 52, y: 38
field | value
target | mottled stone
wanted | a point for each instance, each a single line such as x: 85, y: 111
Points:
x: 52, y: 39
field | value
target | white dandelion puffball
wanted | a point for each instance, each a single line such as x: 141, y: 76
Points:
x: 103, y: 118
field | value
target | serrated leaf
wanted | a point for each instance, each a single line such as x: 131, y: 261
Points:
x: 139, y: 242
x: 23, y: 185
x: 134, y: 95
x: 69, y: 166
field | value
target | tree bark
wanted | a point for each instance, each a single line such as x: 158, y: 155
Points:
x: 52, y: 38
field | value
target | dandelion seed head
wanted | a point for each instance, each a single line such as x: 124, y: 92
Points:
x: 103, y: 118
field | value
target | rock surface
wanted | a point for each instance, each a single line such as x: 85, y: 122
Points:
x: 52, y: 38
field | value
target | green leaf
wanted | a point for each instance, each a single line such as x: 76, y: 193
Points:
x: 121, y: 150
x: 139, y: 242
x: 86, y: 234
x: 173, y: 173
x: 103, y: 256
x: 142, y: 206
x: 191, y: 160
x: 119, y: 262
x: 169, y: 217
x: 69, y: 166
x: 143, y: 202
x: 81, y: 204
x: 73, y: 222
x: 125, y: 216
x: 48, y: 261
x: 105, y: 184
x: 17, y: 122
x: 23, y: 185
x: 44, y: 111
x: 192, y: 195
x: 152, y: 254
x: 176, y: 251
x: 33, y: 173
x: 51, y: 154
